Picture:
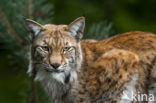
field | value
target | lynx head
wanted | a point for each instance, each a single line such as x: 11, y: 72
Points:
x: 55, y: 50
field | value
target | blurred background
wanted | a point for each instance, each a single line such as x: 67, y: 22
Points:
x: 104, y: 18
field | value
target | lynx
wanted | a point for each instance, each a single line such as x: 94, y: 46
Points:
x: 72, y: 70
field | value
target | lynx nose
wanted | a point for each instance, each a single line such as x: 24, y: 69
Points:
x: 55, y: 65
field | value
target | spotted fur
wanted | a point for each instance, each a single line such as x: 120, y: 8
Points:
x: 72, y: 70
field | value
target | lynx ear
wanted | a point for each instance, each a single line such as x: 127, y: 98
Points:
x: 76, y: 28
x: 33, y: 27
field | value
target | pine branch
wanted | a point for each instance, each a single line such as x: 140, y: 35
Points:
x: 29, y: 8
x: 11, y: 29
x: 101, y: 30
x: 34, y: 96
x: 15, y: 38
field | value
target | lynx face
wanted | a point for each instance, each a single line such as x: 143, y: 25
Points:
x: 56, y: 51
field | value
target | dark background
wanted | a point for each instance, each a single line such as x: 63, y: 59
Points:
x: 104, y: 18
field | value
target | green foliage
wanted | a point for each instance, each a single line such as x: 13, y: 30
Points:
x: 42, y: 11
x: 10, y: 30
x: 15, y: 44
x: 99, y: 31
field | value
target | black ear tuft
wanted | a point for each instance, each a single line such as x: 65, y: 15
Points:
x: 24, y: 18
x: 84, y: 15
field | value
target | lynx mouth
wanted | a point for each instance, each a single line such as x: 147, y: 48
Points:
x: 53, y: 71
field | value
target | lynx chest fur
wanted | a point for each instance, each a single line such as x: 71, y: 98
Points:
x: 72, y: 70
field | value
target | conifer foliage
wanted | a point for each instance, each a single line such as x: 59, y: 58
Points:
x: 14, y: 40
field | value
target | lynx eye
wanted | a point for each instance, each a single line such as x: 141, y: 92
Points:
x: 45, y: 48
x: 66, y: 49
